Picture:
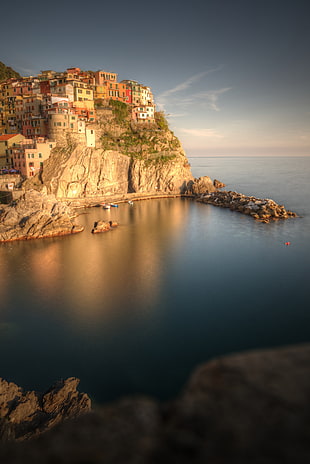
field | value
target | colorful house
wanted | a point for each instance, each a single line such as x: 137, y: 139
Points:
x: 29, y: 155
x: 7, y: 143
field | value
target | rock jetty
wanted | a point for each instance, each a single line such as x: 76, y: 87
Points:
x: 264, y: 210
x: 24, y: 415
x: 36, y: 215
x: 247, y: 408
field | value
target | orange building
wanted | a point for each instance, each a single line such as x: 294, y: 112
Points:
x: 103, y: 76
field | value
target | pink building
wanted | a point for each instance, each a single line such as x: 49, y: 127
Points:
x: 29, y: 155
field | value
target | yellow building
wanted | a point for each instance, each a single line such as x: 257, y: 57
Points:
x: 7, y: 143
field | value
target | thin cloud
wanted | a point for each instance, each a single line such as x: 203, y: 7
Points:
x: 202, y: 133
x: 187, y: 83
x: 161, y: 99
x: 212, y: 97
x: 176, y: 115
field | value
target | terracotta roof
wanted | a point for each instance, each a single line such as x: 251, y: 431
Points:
x: 7, y: 136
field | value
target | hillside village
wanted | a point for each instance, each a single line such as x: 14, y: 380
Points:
x: 37, y: 112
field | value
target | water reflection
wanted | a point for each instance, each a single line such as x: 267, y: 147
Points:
x: 90, y: 277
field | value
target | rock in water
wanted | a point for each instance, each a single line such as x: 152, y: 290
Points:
x: 36, y: 215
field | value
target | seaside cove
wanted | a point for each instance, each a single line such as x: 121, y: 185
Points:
x: 175, y: 284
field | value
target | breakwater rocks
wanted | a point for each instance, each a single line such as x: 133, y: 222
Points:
x: 24, y: 415
x: 247, y: 408
x: 36, y: 215
x: 264, y: 210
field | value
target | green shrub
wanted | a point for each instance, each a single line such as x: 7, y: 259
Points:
x: 120, y: 111
x: 161, y: 120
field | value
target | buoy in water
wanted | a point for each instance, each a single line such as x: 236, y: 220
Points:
x: 287, y: 243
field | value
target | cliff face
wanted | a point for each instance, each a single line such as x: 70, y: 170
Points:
x: 36, y: 215
x: 127, y: 159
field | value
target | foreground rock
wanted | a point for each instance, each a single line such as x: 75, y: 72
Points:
x: 24, y: 415
x: 263, y: 210
x: 36, y: 215
x: 251, y: 408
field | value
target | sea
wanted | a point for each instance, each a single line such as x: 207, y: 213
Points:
x: 135, y: 310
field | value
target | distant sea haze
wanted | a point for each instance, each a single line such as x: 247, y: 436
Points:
x: 178, y: 282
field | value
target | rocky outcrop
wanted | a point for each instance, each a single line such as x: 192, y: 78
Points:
x: 36, y: 215
x: 127, y: 158
x: 202, y: 185
x: 103, y: 226
x: 97, y: 173
x: 248, y: 408
x: 263, y: 210
x: 218, y: 184
x: 24, y: 415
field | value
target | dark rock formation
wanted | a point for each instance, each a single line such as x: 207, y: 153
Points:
x: 36, y: 215
x: 251, y: 408
x: 218, y: 184
x: 24, y: 415
x: 263, y: 210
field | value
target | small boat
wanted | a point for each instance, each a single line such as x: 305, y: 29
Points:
x: 106, y: 206
x: 114, y: 205
x: 130, y: 202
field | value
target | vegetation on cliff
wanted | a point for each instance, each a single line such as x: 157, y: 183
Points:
x: 6, y: 72
x: 154, y: 142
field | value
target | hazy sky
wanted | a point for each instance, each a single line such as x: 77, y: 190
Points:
x: 232, y: 75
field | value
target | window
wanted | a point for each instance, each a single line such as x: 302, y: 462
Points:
x: 40, y: 155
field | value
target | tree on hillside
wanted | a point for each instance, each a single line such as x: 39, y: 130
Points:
x: 6, y: 72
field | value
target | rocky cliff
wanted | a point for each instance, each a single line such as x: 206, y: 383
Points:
x: 127, y: 158
x: 36, y: 215
x: 247, y: 408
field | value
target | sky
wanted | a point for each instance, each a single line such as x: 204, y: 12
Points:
x: 232, y: 76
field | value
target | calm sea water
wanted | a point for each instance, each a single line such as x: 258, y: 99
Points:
x: 177, y: 283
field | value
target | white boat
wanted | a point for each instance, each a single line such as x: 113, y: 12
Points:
x: 106, y: 206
